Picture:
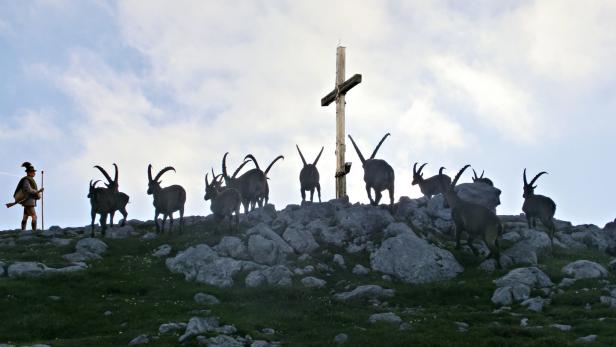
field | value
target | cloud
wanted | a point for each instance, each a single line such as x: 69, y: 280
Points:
x: 39, y: 125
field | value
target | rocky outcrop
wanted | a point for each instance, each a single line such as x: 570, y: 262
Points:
x: 516, y: 286
x: 202, y: 264
x: 479, y: 193
x: 412, y: 259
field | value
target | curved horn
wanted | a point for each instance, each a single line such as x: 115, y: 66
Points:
x: 272, y: 164
x: 415, y: 169
x: 104, y: 173
x: 115, y: 180
x: 455, y: 180
x: 379, y: 145
x: 252, y: 157
x: 524, y: 177
x: 213, y: 172
x: 536, y: 177
x: 301, y: 155
x: 93, y: 185
x: 224, y: 165
x: 239, y: 168
x: 421, y: 168
x: 207, y: 184
x: 475, y: 175
x: 482, y: 172
x: 218, y: 176
x: 161, y: 172
x: 318, y: 156
x: 150, y: 172
x: 361, y: 157
x: 440, y: 171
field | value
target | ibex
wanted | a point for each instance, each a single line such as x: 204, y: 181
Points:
x: 248, y: 184
x: 309, y: 177
x: 166, y: 200
x: 120, y: 200
x: 101, y: 202
x: 260, y: 181
x: 433, y: 185
x: 481, y: 179
x: 477, y: 220
x: 538, y: 206
x: 378, y: 174
x: 225, y: 201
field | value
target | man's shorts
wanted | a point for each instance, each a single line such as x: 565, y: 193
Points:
x: 29, y: 211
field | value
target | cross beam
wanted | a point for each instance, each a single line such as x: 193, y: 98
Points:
x: 338, y: 95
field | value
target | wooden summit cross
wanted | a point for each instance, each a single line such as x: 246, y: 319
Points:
x: 340, y: 90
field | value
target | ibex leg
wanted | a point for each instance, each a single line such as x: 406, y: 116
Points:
x: 319, y: 191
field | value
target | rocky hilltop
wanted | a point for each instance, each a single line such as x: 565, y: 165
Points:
x: 308, y: 245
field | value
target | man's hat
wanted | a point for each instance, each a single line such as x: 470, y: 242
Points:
x: 28, y: 166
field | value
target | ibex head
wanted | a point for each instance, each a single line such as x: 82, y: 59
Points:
x: 211, y: 189
x: 417, y: 174
x: 92, y: 188
x: 529, y: 188
x: 376, y: 149
x: 154, y: 183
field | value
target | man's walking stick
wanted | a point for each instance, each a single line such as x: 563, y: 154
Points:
x: 42, y: 201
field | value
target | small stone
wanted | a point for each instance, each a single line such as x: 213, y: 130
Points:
x: 389, y: 317
x: 535, y: 304
x: 107, y: 313
x: 162, y: 251
x: 149, y: 236
x: 313, y: 282
x: 386, y: 278
x: 202, y: 298
x: 54, y: 298
x: 360, y: 270
x: 566, y: 282
x: 405, y: 326
x: 169, y: 327
x: 561, y: 327
x: 139, y: 340
x: 586, y: 339
x: 524, y: 322
x: 341, y: 338
x: 462, y: 326
x: 338, y: 259
x: 268, y: 331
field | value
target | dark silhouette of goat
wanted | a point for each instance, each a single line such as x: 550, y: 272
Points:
x: 166, y: 200
x: 538, y: 206
x: 481, y: 179
x: 259, y: 182
x: 120, y: 200
x: 309, y: 176
x: 249, y: 184
x: 101, y: 202
x: 378, y: 174
x: 430, y: 186
x: 478, y: 221
x: 225, y: 201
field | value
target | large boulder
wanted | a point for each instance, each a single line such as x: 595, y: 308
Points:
x: 532, y: 246
x: 300, y: 239
x: 267, y: 247
x: 580, y: 269
x: 278, y: 275
x: 592, y: 236
x: 200, y: 263
x: 516, y: 286
x: 91, y: 245
x: 479, y: 193
x: 412, y: 259
x: 231, y: 246
x: 362, y: 220
x: 27, y: 269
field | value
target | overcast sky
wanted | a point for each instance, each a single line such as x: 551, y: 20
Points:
x: 501, y: 85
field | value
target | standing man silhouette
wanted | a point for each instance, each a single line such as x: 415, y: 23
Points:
x: 30, y: 192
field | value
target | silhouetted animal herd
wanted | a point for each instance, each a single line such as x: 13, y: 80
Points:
x: 251, y: 189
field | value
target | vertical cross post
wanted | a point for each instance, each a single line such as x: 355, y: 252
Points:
x: 340, y: 126
x: 338, y: 95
